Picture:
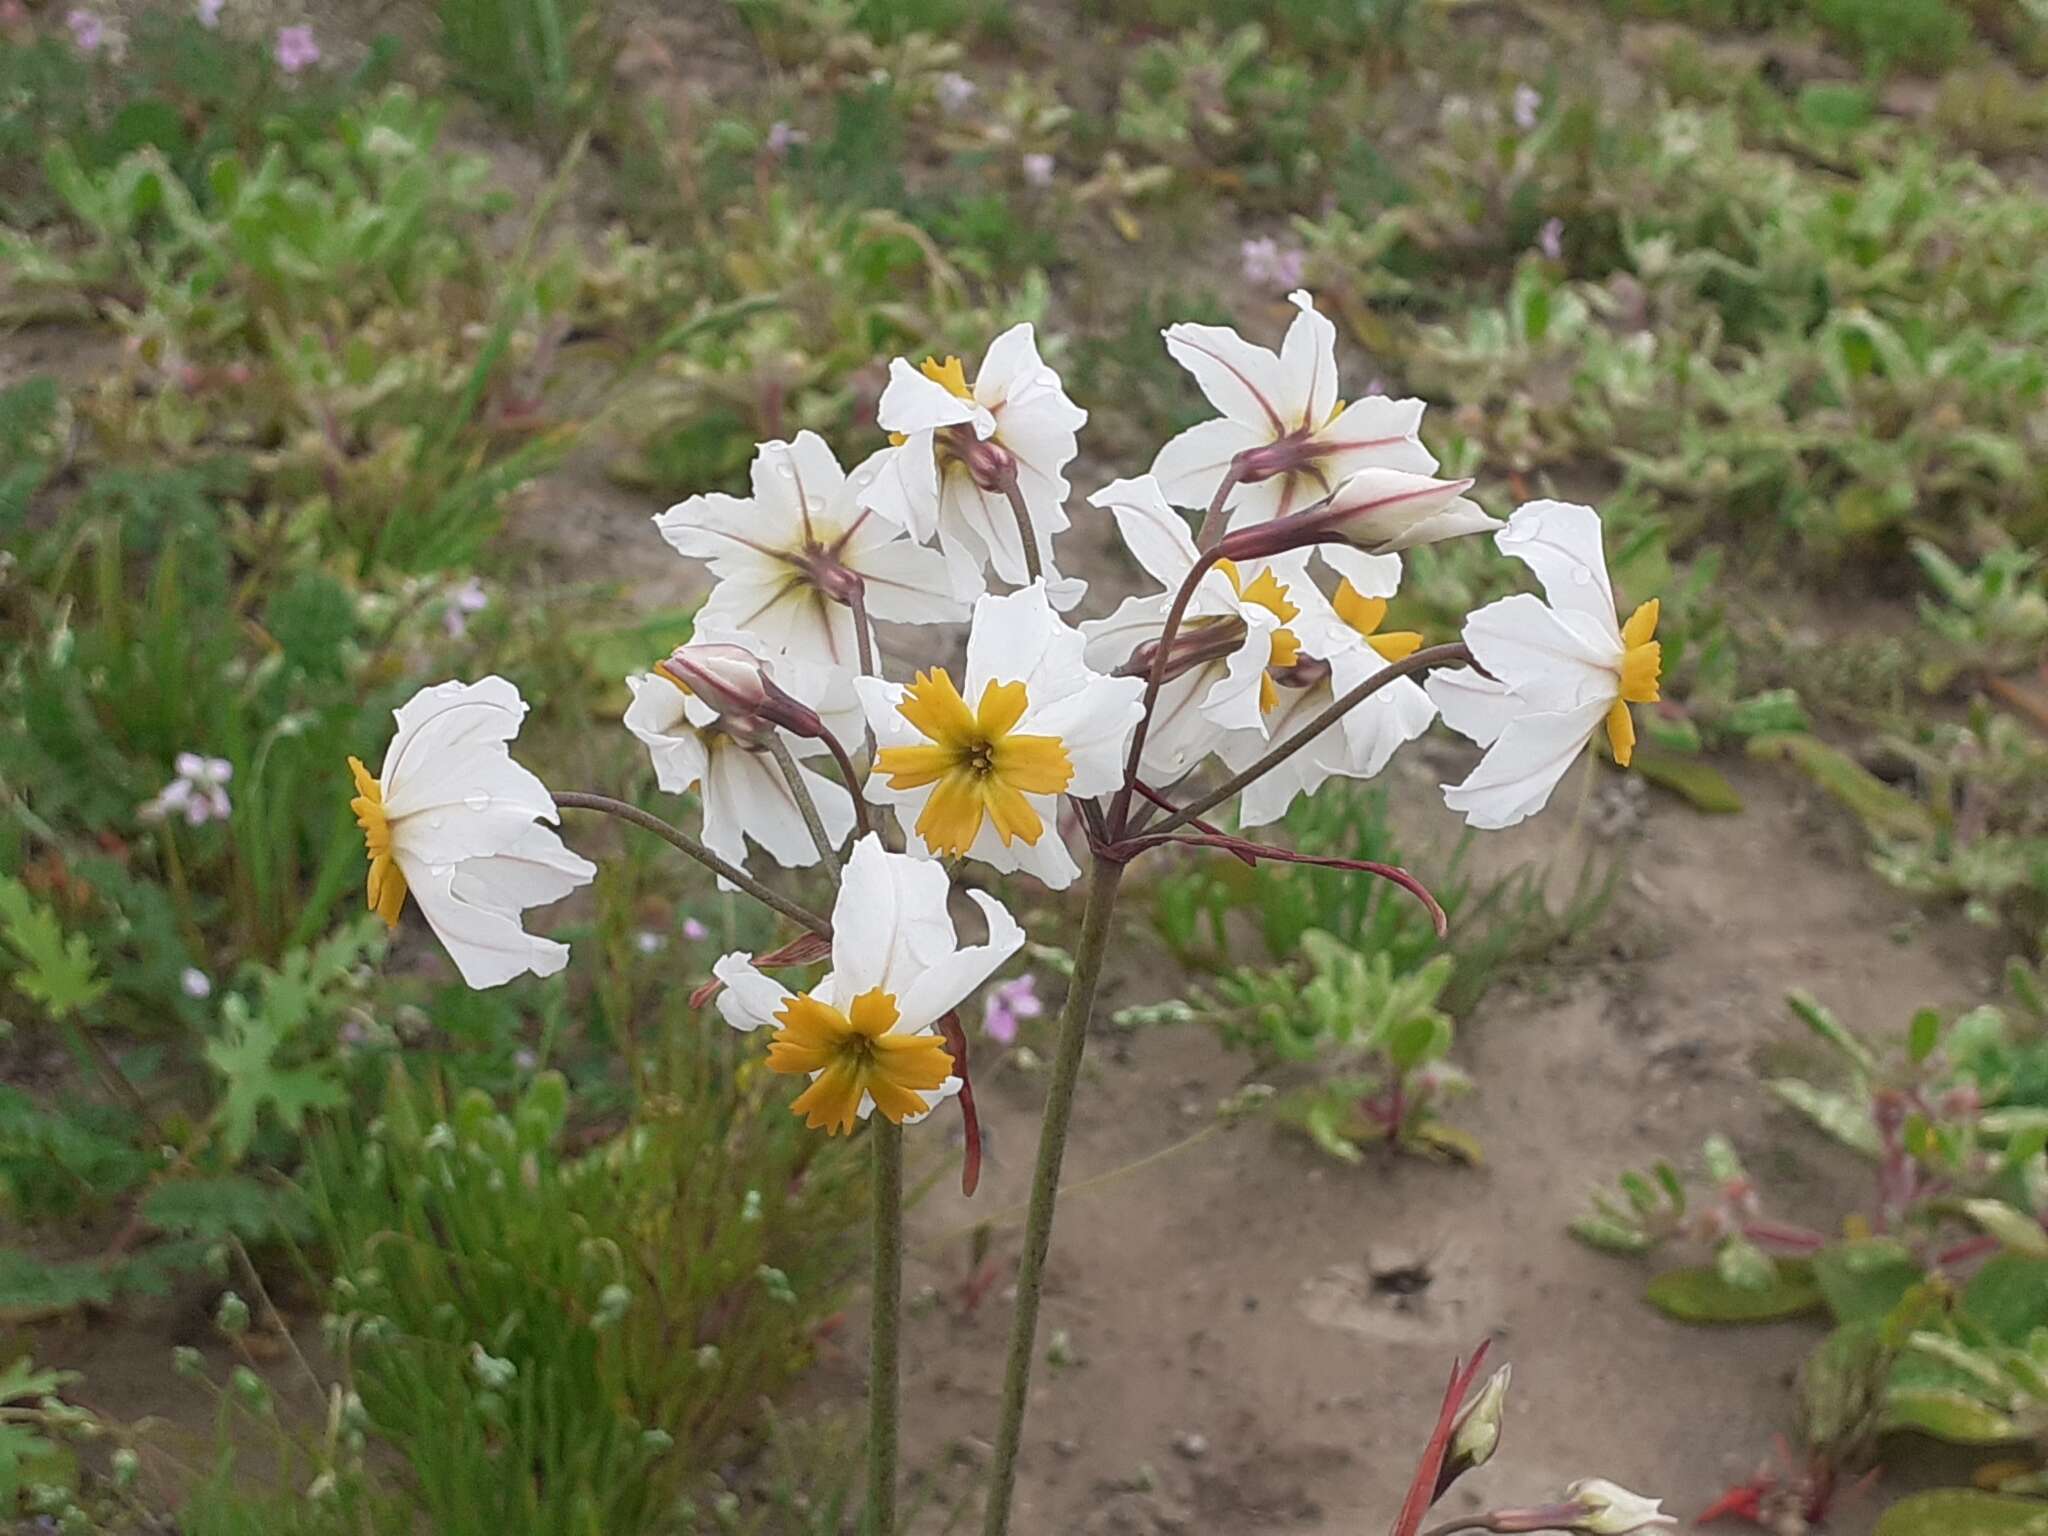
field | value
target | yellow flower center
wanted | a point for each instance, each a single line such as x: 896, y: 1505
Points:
x: 982, y: 768
x: 1267, y: 591
x: 854, y: 1056
x: 387, y: 881
x: 950, y: 374
x: 1642, y: 664
x: 1366, y: 614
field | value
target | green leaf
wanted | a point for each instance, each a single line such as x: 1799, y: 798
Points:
x: 1832, y: 1030
x: 1955, y: 1417
x: 1923, y: 1034
x: 1847, y: 1120
x: 1700, y: 784
x: 1701, y: 1295
x: 245, y: 1057
x: 1863, y: 1281
x: 31, y: 1288
x: 56, y: 971
x: 1883, y: 810
x: 217, y: 1207
x: 2008, y: 1297
x: 1964, y: 1512
x: 614, y: 650
x: 2018, y: 1231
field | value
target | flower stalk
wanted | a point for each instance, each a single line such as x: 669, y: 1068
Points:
x: 886, y: 1305
x: 1096, y: 925
x: 805, y: 805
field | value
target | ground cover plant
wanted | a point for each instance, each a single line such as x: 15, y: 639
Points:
x: 346, y: 366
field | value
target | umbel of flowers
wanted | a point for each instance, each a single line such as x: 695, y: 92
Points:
x: 1256, y: 667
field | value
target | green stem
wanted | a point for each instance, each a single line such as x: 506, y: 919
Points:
x: 1096, y: 924
x: 806, y: 806
x: 1212, y: 520
x: 886, y: 1306
x: 677, y: 837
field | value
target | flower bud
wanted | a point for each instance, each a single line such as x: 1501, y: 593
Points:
x: 1476, y: 1433
x: 1195, y: 644
x: 729, y: 678
x: 1380, y: 511
x: 992, y: 466
x: 1608, y: 1509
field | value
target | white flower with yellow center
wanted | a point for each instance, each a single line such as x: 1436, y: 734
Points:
x: 789, y: 558
x: 956, y: 445
x: 1343, y: 643
x: 865, y: 1035
x: 455, y: 822
x: 1293, y: 440
x: 978, y: 770
x: 1235, y: 632
x: 1557, y: 673
x: 737, y: 781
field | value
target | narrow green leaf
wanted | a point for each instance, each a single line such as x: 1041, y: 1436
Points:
x: 1701, y: 1295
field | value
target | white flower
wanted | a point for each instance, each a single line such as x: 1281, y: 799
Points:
x: 978, y: 770
x: 1039, y: 168
x: 454, y: 820
x: 864, y: 1034
x: 787, y: 558
x: 955, y: 91
x: 958, y: 443
x: 1283, y: 413
x: 1528, y: 106
x: 1611, y: 1510
x: 1234, y: 630
x: 1557, y: 672
x: 1342, y: 645
x: 199, y: 793
x: 739, y: 784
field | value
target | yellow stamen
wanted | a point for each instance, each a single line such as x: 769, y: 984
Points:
x: 1642, y: 666
x: 1269, y: 592
x: 1366, y: 614
x: 950, y: 373
x: 387, y: 881
x: 980, y: 767
x: 898, y: 439
x: 853, y: 1056
x: 1335, y: 411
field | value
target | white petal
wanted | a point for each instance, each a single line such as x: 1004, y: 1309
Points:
x: 450, y: 742
x: 889, y: 923
x: 1242, y: 381
x: 943, y: 982
x: 474, y: 906
x: 1014, y: 379
x: 1308, y: 366
x: 1375, y: 433
x: 1473, y: 705
x: 1538, y: 653
x: 1094, y: 724
x: 793, y: 483
x: 1370, y: 575
x: 675, y: 746
x: 906, y: 583
x: 905, y: 485
x: 1264, y: 500
x: 1232, y: 703
x: 785, y: 616
x: 1462, y: 517
x: 1192, y: 465
x: 750, y: 1000
x: 913, y: 403
x: 721, y: 529
x: 1180, y: 734
x: 1018, y: 638
x: 1155, y: 534
x: 1048, y: 860
x: 1560, y: 542
x: 1521, y: 769
x: 745, y: 794
x: 1111, y: 641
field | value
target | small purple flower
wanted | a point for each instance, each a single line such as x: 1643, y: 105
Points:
x: 297, y: 49
x: 462, y: 602
x: 199, y: 793
x: 1550, y: 239
x: 88, y: 31
x: 196, y: 984
x: 1270, y: 265
x: 208, y: 12
x: 1007, y: 1006
x: 695, y: 931
x: 1038, y: 169
x: 1528, y: 105
x: 782, y: 138
x: 955, y: 91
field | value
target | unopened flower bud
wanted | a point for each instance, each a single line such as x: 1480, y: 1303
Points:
x: 1476, y: 1434
x: 1381, y: 511
x: 1195, y: 644
x: 729, y: 678
x: 1608, y: 1509
x: 992, y: 466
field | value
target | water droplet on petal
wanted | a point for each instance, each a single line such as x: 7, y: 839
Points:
x: 1581, y: 576
x: 438, y: 871
x: 434, y: 822
x: 477, y: 800
x: 785, y: 469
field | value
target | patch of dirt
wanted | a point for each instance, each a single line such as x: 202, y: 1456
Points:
x: 1260, y: 1337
